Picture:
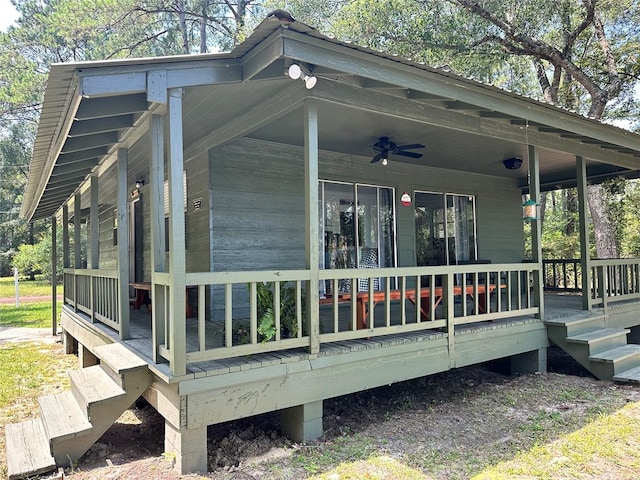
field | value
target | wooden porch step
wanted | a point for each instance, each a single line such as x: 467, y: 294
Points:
x: 28, y: 451
x: 576, y: 325
x: 119, y: 358
x: 632, y: 375
x: 93, y: 386
x: 626, y: 352
x: 601, y: 340
x: 62, y: 417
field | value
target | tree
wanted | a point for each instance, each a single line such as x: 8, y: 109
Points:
x: 582, y: 55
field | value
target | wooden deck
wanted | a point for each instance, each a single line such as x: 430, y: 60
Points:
x: 140, y: 341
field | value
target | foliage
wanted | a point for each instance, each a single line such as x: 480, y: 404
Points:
x: 30, y: 315
x: 36, y: 259
x: 266, y: 315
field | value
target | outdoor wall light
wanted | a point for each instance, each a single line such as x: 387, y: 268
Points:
x: 295, y: 71
x: 512, y: 163
x: 139, y: 183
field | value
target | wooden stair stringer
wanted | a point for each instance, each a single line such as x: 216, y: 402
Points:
x: 72, y: 421
x: 601, y: 350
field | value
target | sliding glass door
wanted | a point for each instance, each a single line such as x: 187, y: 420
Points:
x: 445, y: 228
x: 357, y: 227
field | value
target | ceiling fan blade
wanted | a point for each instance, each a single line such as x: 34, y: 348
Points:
x: 409, y: 154
x: 378, y: 157
x: 409, y: 147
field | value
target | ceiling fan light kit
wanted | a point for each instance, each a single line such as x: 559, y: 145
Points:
x: 385, y: 147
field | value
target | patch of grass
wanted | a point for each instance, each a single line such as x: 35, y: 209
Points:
x: 37, y: 288
x: 380, y: 467
x: 27, y: 371
x: 610, y: 442
x: 32, y: 315
x: 331, y: 454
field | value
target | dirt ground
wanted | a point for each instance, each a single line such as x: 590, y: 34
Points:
x: 429, y: 422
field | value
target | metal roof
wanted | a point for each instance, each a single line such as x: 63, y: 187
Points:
x: 50, y: 185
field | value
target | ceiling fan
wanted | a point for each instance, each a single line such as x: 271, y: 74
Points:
x: 385, y: 147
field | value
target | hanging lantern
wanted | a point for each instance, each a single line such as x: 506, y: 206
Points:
x: 405, y: 199
x: 530, y: 210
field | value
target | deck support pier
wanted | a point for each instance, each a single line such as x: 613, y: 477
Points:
x: 302, y: 422
x: 85, y: 357
x: 534, y: 361
x: 189, y: 447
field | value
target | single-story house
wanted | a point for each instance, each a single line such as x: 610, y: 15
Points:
x: 299, y: 219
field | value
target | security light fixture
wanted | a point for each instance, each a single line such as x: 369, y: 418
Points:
x: 296, y: 71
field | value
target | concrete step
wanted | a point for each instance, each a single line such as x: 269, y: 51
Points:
x: 93, y: 387
x: 600, y: 340
x: 630, y: 376
x: 27, y: 450
x: 62, y: 417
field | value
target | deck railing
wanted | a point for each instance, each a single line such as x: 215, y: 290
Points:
x: 234, y: 319
x: 93, y: 292
x: 614, y: 280
x: 562, y: 275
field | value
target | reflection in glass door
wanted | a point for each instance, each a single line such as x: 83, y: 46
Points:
x: 357, y: 229
x: 445, y: 228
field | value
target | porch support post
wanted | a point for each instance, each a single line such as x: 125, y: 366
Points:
x: 123, y: 243
x: 189, y: 447
x: 583, y: 211
x: 156, y: 187
x: 94, y: 224
x: 177, y: 256
x: 54, y: 277
x: 312, y: 223
x: 536, y: 229
x: 448, y: 303
x: 77, y: 238
x: 530, y: 362
x: 65, y: 236
x: 302, y: 422
x: 77, y: 259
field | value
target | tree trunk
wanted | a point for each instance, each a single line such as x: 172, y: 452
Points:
x: 606, y: 246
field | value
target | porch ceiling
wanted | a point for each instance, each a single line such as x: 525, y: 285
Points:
x: 92, y: 109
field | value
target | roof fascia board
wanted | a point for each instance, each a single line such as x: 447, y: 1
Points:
x: 340, y: 57
x: 371, y: 101
x: 263, y: 55
x: 125, y: 79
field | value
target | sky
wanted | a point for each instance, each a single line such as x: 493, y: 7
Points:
x: 8, y: 14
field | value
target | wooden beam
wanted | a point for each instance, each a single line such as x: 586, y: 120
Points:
x: 255, y: 117
x: 65, y: 169
x: 156, y: 180
x: 101, y: 125
x: 312, y: 221
x: 89, y: 142
x: 123, y: 242
x: 94, y: 224
x: 81, y: 155
x: 113, y: 84
x: 536, y: 228
x: 54, y: 277
x: 263, y: 55
x: 177, y: 257
x: 94, y: 108
x: 583, y: 215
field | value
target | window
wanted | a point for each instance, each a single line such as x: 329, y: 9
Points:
x: 445, y: 228
x: 357, y: 228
